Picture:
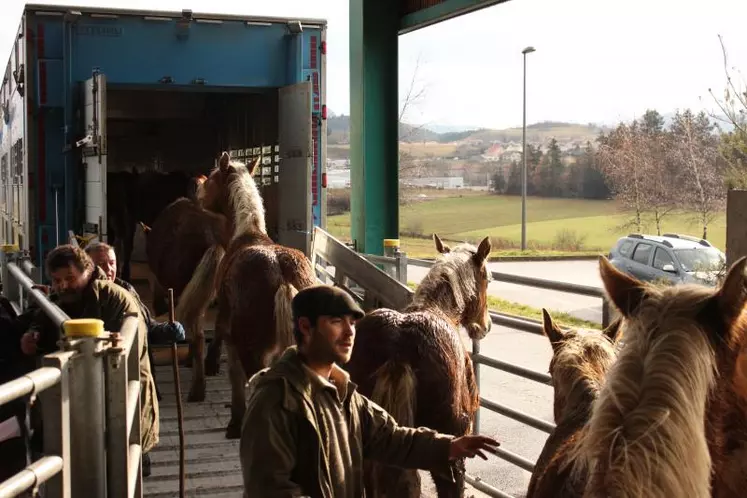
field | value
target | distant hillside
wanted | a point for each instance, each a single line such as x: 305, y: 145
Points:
x: 338, y: 131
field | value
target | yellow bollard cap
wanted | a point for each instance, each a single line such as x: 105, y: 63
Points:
x: 83, y: 327
x: 6, y: 248
x: 391, y: 242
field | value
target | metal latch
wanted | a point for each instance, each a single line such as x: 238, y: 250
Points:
x: 84, y: 141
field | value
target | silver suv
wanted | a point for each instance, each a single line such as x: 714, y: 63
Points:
x: 669, y: 258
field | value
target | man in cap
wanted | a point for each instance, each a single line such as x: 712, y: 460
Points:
x: 306, y: 399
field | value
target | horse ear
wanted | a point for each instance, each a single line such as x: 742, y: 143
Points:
x: 253, y: 167
x: 625, y: 292
x: 440, y: 246
x: 732, y: 295
x: 223, y: 161
x: 551, y: 330
x: 613, y: 330
x: 483, y: 251
x: 145, y: 227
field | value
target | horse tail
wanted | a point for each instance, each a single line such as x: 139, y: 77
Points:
x: 200, y: 290
x: 284, y: 315
x: 395, y: 392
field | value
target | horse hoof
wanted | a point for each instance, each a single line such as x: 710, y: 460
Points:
x: 196, y: 394
x: 233, y: 431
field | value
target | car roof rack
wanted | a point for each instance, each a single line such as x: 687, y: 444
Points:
x: 643, y: 237
x: 702, y: 242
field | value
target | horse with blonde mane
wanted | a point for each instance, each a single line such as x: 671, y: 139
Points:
x: 415, y: 366
x: 670, y: 420
x: 579, y: 365
x: 256, y: 281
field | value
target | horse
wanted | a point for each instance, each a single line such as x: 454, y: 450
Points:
x: 185, y: 246
x: 414, y: 364
x: 670, y: 420
x: 256, y: 282
x: 579, y: 365
x: 139, y: 198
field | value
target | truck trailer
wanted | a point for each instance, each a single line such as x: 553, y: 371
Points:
x: 89, y: 92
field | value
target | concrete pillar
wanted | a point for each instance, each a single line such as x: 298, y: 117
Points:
x: 736, y: 225
x: 374, y: 123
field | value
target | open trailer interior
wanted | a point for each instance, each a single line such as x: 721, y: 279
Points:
x: 170, y: 129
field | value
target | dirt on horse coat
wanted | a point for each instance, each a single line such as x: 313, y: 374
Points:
x: 670, y: 420
x: 579, y: 365
x: 256, y: 281
x: 414, y: 364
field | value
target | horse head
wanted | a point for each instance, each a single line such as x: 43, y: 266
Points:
x: 672, y: 389
x: 579, y: 364
x: 230, y: 190
x: 465, y: 268
x: 663, y: 309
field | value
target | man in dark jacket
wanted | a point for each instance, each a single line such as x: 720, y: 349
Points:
x: 307, y: 430
x: 104, y: 257
x: 82, y: 290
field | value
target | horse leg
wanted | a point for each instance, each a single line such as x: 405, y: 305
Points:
x: 445, y: 486
x: 238, y: 392
x: 212, y: 360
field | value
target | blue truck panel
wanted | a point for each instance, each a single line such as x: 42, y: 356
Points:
x: 62, y: 46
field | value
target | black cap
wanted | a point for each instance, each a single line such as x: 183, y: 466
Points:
x: 319, y: 300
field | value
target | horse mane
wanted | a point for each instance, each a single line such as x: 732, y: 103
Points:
x: 449, y: 284
x: 646, y: 435
x: 580, y: 365
x: 245, y: 201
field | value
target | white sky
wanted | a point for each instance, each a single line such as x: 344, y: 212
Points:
x: 596, y: 60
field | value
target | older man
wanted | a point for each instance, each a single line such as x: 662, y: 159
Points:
x: 82, y: 290
x: 104, y: 257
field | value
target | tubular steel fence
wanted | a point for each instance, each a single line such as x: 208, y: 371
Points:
x: 96, y: 452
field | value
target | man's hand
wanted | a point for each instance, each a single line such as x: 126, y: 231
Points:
x: 44, y: 289
x: 29, y: 341
x: 471, y: 446
x: 166, y: 333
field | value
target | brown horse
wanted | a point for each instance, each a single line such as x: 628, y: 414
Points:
x: 185, y: 246
x: 670, y: 420
x: 579, y: 365
x: 256, y: 282
x: 415, y: 365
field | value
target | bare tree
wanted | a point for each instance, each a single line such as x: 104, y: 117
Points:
x: 624, y: 171
x: 696, y: 148
x: 733, y: 107
x: 410, y: 166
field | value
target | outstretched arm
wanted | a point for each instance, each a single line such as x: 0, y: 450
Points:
x: 386, y: 441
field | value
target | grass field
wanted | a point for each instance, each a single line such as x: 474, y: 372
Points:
x: 554, y: 226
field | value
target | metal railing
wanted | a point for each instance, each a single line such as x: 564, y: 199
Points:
x: 364, y: 270
x: 96, y: 452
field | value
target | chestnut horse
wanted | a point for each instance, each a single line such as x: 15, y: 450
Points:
x: 185, y: 246
x: 415, y: 365
x: 256, y: 281
x: 670, y: 420
x: 579, y: 365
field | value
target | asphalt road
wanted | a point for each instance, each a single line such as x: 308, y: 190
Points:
x: 529, y: 351
x: 577, y: 272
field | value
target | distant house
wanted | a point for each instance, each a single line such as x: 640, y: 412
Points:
x: 493, y: 153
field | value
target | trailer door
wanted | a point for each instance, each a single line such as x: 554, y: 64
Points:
x: 93, y: 155
x: 294, y: 138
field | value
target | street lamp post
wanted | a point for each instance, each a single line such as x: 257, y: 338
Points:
x: 526, y: 51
